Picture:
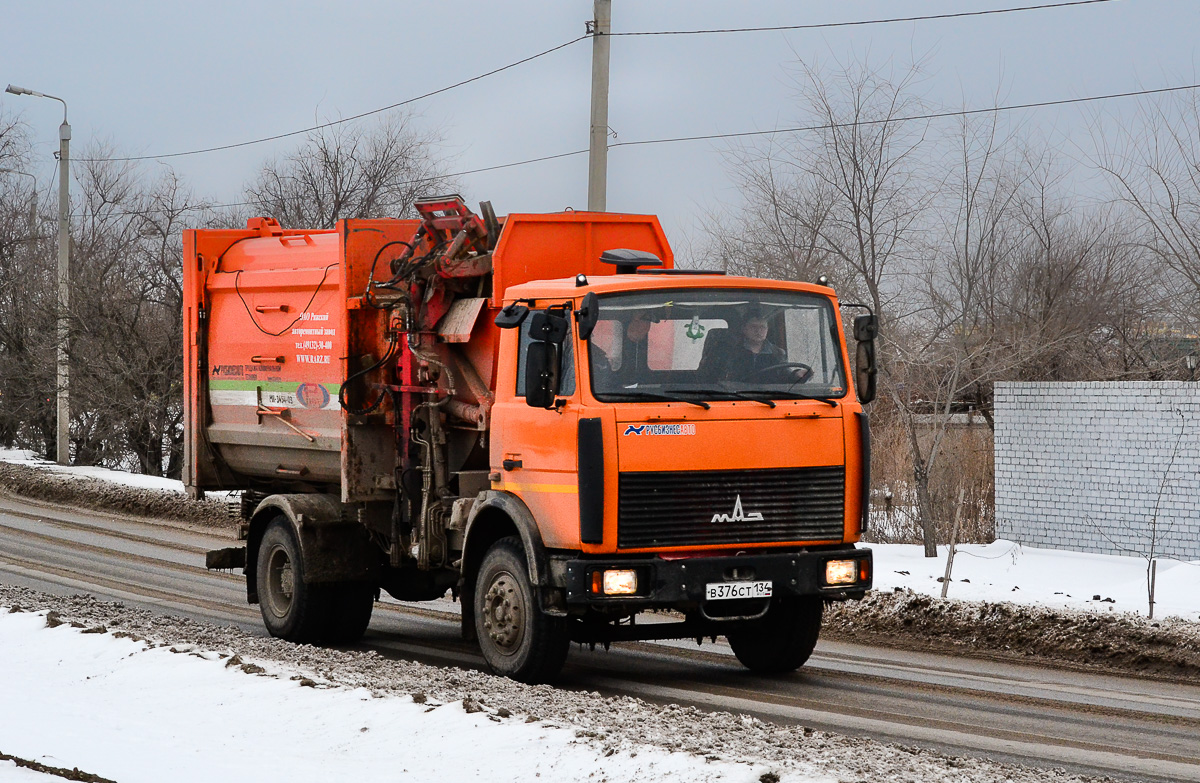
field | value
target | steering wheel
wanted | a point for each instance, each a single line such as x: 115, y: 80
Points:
x: 801, y: 377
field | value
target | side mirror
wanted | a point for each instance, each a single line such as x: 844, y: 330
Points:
x: 547, y: 327
x: 865, y: 329
x: 588, y: 315
x: 541, y: 374
x: 512, y: 316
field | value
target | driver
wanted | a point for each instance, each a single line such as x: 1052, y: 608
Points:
x: 753, y: 356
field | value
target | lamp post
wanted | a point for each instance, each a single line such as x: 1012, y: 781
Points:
x: 64, y: 276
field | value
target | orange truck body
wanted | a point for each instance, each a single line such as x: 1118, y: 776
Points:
x: 385, y: 430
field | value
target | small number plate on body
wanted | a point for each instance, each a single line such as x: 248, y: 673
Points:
x: 719, y: 591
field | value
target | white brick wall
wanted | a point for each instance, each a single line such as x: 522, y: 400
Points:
x: 1081, y: 466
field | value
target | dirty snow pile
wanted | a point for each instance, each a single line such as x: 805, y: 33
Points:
x: 125, y: 694
x: 114, y: 491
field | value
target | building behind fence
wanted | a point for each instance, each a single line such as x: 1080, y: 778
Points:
x: 1110, y: 467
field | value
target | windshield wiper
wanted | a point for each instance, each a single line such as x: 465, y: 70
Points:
x: 791, y: 395
x: 663, y: 397
x: 726, y: 393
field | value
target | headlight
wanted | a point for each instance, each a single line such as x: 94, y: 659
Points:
x: 615, y: 582
x: 841, y: 572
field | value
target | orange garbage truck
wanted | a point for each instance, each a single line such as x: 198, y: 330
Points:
x: 536, y: 414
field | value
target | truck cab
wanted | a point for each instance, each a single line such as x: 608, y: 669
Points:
x: 671, y: 467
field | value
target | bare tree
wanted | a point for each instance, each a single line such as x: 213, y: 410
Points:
x: 352, y: 170
x: 865, y: 165
x: 27, y: 307
x: 1154, y: 166
x: 845, y: 198
x: 127, y: 339
x: 776, y: 231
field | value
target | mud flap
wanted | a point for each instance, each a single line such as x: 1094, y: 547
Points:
x: 226, y: 559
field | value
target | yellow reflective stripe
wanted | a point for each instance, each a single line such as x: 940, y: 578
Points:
x: 569, y: 488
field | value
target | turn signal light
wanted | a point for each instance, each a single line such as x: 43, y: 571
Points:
x: 841, y: 572
x: 615, y: 582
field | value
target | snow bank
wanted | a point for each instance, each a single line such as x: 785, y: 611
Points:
x: 136, y: 480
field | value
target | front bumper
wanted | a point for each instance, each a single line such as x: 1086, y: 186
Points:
x: 680, y: 583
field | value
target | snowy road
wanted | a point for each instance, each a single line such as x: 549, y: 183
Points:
x: 1142, y: 729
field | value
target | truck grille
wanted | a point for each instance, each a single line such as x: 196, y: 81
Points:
x: 699, y: 508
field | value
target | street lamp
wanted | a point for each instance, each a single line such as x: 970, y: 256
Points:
x: 64, y: 275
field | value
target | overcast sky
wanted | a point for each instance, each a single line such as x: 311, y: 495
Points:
x: 162, y: 77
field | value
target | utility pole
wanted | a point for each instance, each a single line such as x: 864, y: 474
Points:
x: 598, y: 149
x: 63, y: 444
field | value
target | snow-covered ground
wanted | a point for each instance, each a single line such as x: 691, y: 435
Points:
x: 1007, y: 571
x: 130, y: 711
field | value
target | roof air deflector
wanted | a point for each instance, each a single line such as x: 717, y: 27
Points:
x: 627, y: 261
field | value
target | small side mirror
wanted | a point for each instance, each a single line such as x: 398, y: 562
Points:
x: 866, y: 328
x: 511, y: 316
x: 548, y: 327
x: 588, y: 315
x: 541, y: 374
x: 865, y: 371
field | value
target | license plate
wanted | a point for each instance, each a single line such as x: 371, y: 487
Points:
x: 721, y: 591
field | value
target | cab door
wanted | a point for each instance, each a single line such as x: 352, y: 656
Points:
x: 534, y: 450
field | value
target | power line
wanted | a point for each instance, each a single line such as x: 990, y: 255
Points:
x: 912, y: 118
x: 380, y: 110
x: 276, y: 137
x: 711, y: 136
x: 859, y: 23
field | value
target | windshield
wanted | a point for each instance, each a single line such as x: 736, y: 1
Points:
x: 715, y: 345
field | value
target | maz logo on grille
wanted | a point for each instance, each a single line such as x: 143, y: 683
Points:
x: 738, y: 515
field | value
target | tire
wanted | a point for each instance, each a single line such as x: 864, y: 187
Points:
x: 517, y: 640
x: 336, y: 613
x: 348, y: 611
x: 782, y: 640
x: 291, y: 609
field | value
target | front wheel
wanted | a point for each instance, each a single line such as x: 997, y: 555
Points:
x: 516, y: 638
x: 783, y: 639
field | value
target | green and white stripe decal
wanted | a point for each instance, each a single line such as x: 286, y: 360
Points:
x: 274, y: 394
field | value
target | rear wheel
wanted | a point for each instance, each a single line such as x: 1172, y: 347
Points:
x: 349, y: 607
x: 516, y: 638
x: 292, y: 609
x: 783, y: 639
